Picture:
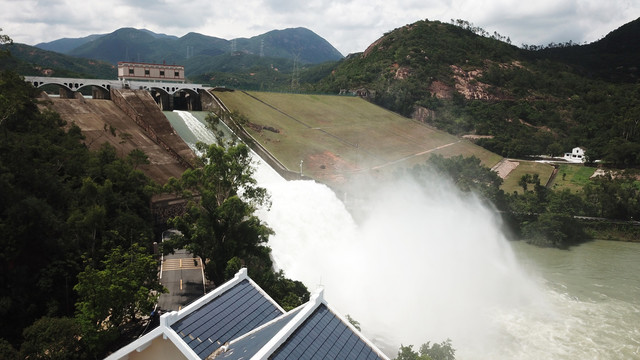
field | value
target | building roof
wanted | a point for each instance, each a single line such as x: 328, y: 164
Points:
x: 238, y: 320
x: 226, y: 317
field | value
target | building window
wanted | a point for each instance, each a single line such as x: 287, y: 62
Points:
x: 161, y: 72
x: 146, y: 72
x: 176, y: 74
x: 130, y: 71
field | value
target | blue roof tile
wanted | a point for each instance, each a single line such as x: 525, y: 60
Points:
x: 251, y: 344
x: 230, y: 315
x: 324, y: 336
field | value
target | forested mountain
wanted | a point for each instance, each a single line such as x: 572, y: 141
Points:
x: 539, y: 100
x: 65, y: 45
x: 199, y: 53
x: 614, y: 58
x: 29, y: 60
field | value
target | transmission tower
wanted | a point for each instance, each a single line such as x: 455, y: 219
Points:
x: 262, y: 48
x: 233, y: 45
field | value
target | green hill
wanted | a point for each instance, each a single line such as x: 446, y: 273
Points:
x: 523, y: 102
x: 614, y: 58
x: 270, y: 56
x: 201, y: 51
x: 29, y: 60
x: 65, y: 45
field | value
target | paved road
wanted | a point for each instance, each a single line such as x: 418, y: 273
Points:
x: 183, y: 276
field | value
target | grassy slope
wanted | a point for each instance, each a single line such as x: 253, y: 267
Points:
x: 526, y: 167
x: 338, y: 137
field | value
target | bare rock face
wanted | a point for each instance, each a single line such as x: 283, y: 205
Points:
x: 423, y: 114
x: 441, y: 90
x: 468, y: 85
x: 402, y: 72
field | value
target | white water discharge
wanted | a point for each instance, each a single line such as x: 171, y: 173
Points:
x: 423, y: 266
x: 430, y: 265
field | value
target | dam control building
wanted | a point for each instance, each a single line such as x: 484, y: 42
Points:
x: 135, y: 71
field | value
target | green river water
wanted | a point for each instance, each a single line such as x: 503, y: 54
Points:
x: 594, y: 290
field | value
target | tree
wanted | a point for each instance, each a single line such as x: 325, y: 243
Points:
x: 555, y: 149
x: 53, y: 339
x: 137, y: 157
x: 4, y: 41
x: 7, y: 351
x: 354, y: 322
x: 467, y: 173
x: 442, y: 351
x: 219, y: 223
x: 123, y: 289
x: 407, y: 353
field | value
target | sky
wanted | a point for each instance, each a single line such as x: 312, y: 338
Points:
x: 349, y: 25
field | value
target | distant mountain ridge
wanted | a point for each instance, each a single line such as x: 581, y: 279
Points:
x: 65, y: 45
x: 129, y: 44
x: 33, y: 61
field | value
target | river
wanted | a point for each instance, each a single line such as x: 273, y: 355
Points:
x: 429, y: 265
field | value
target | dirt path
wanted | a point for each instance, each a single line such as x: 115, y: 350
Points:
x: 414, y: 155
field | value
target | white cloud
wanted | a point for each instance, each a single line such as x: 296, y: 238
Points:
x: 349, y: 25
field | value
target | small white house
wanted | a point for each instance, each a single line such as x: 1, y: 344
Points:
x: 576, y: 155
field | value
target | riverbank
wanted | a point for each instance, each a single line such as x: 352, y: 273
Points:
x: 614, y: 232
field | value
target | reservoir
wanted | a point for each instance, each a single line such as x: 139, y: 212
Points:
x: 426, y: 263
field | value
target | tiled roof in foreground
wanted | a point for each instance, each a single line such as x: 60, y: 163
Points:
x: 226, y: 317
x: 312, y: 331
x: 324, y: 336
x: 238, y: 320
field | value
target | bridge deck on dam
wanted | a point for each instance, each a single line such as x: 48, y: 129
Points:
x: 74, y: 84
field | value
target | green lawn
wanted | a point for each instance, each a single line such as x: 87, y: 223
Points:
x: 510, y: 184
x: 339, y: 136
x: 572, y: 177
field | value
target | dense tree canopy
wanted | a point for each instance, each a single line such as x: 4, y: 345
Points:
x: 467, y: 174
x: 62, y: 208
x: 220, y: 226
x: 121, y: 290
x: 219, y: 223
x: 428, y: 351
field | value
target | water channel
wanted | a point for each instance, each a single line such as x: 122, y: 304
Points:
x: 426, y: 266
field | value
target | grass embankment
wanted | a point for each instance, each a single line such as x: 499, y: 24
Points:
x: 337, y: 137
